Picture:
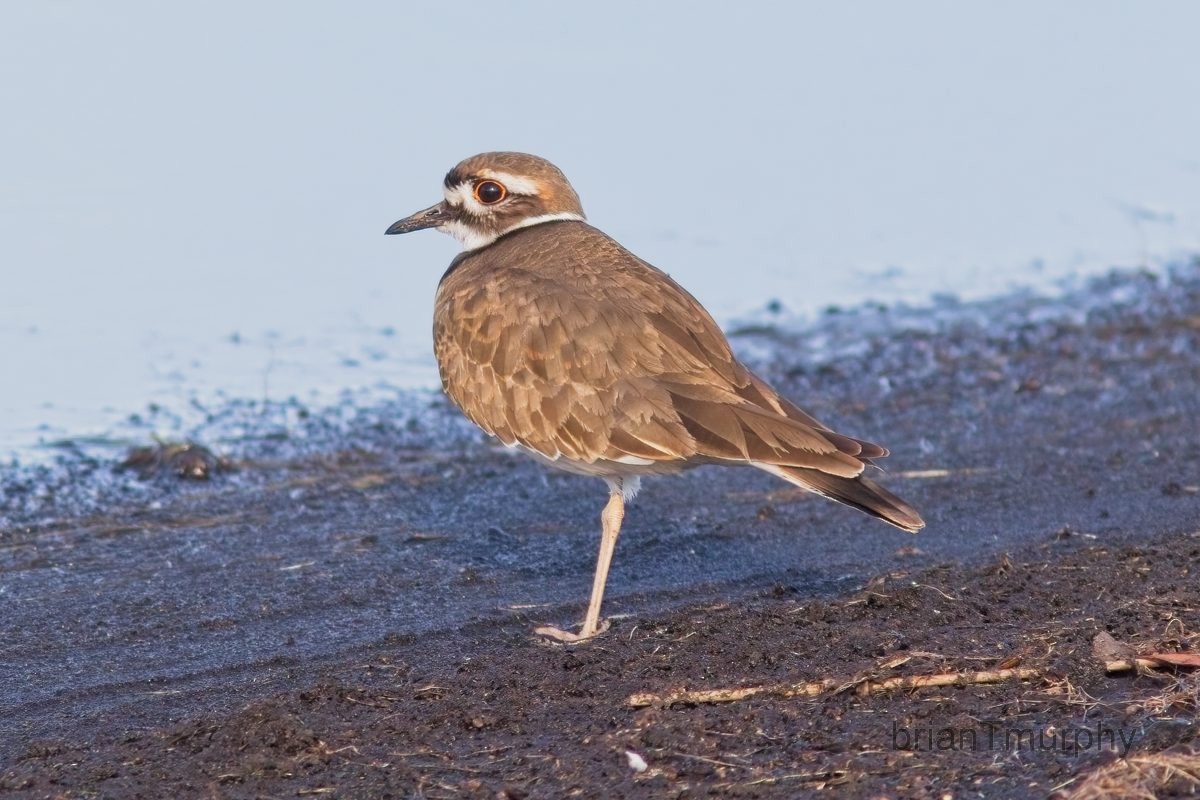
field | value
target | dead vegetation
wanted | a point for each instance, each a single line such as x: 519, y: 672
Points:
x: 1146, y: 777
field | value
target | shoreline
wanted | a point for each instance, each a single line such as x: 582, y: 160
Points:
x: 77, y: 475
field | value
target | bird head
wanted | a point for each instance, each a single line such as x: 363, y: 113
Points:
x: 491, y: 194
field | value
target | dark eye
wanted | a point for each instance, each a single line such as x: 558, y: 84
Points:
x: 489, y: 192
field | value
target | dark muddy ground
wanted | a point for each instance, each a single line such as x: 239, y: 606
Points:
x: 353, y: 619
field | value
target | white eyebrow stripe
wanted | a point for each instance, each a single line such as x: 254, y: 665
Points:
x: 464, y: 193
x: 513, y: 183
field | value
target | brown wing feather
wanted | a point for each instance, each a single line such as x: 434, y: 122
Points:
x: 561, y: 341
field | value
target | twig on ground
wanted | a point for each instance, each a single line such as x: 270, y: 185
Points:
x: 1131, y: 664
x: 814, y: 688
x: 1121, y: 657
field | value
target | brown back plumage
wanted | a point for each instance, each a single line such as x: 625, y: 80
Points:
x: 556, y: 338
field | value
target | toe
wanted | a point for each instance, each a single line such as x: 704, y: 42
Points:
x: 558, y: 634
x: 567, y: 637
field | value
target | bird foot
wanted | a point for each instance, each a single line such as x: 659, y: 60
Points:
x: 566, y: 637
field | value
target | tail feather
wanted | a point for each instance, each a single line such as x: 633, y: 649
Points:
x: 861, y: 493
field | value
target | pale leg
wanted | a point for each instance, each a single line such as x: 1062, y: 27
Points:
x: 610, y: 520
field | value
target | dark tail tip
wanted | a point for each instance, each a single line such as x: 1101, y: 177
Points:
x: 861, y: 493
x: 890, y: 508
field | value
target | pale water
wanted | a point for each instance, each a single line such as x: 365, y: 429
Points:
x: 193, y: 196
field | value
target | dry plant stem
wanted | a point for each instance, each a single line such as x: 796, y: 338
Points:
x: 1131, y: 664
x: 813, y: 688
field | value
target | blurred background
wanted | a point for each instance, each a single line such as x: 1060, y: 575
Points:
x: 193, y: 196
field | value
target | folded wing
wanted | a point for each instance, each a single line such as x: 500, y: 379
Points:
x: 625, y: 366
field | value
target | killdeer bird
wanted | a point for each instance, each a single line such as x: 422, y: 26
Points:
x: 557, y: 340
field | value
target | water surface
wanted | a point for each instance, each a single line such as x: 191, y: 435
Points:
x: 192, y: 197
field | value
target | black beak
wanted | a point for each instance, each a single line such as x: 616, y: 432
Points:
x: 429, y: 218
